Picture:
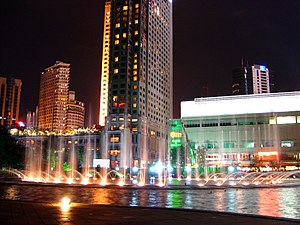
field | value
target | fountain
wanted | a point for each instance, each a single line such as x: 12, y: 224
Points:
x: 84, y: 160
x: 62, y: 160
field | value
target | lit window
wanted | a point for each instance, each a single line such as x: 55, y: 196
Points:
x: 136, y: 32
x: 122, y: 104
x: 248, y: 144
x: 124, y: 35
x: 286, y: 119
x: 114, y: 139
x: 117, y: 25
x: 272, y: 120
x: 134, y: 72
x: 116, y: 71
x: 135, y: 87
x: 135, y: 66
x: 117, y: 36
x: 287, y: 144
x: 134, y: 129
x: 116, y: 42
x: 136, y: 21
x: 134, y: 78
x: 116, y: 59
x: 134, y: 105
x: 136, y: 5
x: 125, y: 7
x: 136, y: 43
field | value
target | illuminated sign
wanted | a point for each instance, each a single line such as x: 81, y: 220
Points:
x: 174, y: 134
x: 263, y: 68
x: 175, y: 143
x: 102, y: 163
x: 176, y: 126
x: 261, y: 154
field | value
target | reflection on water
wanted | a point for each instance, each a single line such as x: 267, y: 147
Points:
x: 12, y: 193
x: 281, y: 202
x: 270, y: 199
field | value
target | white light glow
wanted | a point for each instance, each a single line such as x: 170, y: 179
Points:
x: 65, y: 204
x: 246, y: 104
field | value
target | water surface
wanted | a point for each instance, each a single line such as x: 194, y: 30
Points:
x: 276, y: 201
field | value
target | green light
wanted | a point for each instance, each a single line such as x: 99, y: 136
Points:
x: 175, y: 142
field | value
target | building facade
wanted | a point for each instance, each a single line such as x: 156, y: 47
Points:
x: 137, y: 80
x: 53, y: 97
x: 256, y: 79
x: 75, y: 113
x: 261, y: 131
x: 10, y: 95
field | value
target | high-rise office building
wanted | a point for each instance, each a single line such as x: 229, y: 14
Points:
x: 75, y: 113
x: 10, y: 94
x: 256, y: 79
x: 137, y: 79
x: 53, y: 97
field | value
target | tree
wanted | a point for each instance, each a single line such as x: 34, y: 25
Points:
x: 11, y: 154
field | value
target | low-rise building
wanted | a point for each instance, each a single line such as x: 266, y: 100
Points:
x: 259, y: 130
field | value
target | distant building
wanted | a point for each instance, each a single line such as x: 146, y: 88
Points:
x: 257, y: 79
x: 58, y: 110
x: 10, y: 94
x: 53, y: 98
x: 75, y: 113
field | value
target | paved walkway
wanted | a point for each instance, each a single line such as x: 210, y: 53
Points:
x: 30, y: 213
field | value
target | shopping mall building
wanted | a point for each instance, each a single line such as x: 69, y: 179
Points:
x: 246, y: 131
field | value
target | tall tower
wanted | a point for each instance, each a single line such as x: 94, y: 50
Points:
x: 261, y: 79
x: 10, y: 95
x: 53, y: 97
x: 137, y: 80
x: 256, y: 79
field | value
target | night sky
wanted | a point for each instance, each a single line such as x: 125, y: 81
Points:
x: 210, y: 39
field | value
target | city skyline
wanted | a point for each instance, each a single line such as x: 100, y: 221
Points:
x: 210, y: 39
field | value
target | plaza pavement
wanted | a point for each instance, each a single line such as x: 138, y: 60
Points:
x: 32, y: 213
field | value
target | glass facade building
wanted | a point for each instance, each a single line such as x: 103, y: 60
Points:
x: 259, y: 131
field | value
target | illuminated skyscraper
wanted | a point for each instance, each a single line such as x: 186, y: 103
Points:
x: 256, y: 79
x: 75, y: 113
x: 53, y: 98
x: 10, y: 94
x: 137, y: 79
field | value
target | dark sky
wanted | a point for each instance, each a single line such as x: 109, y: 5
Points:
x: 210, y: 39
